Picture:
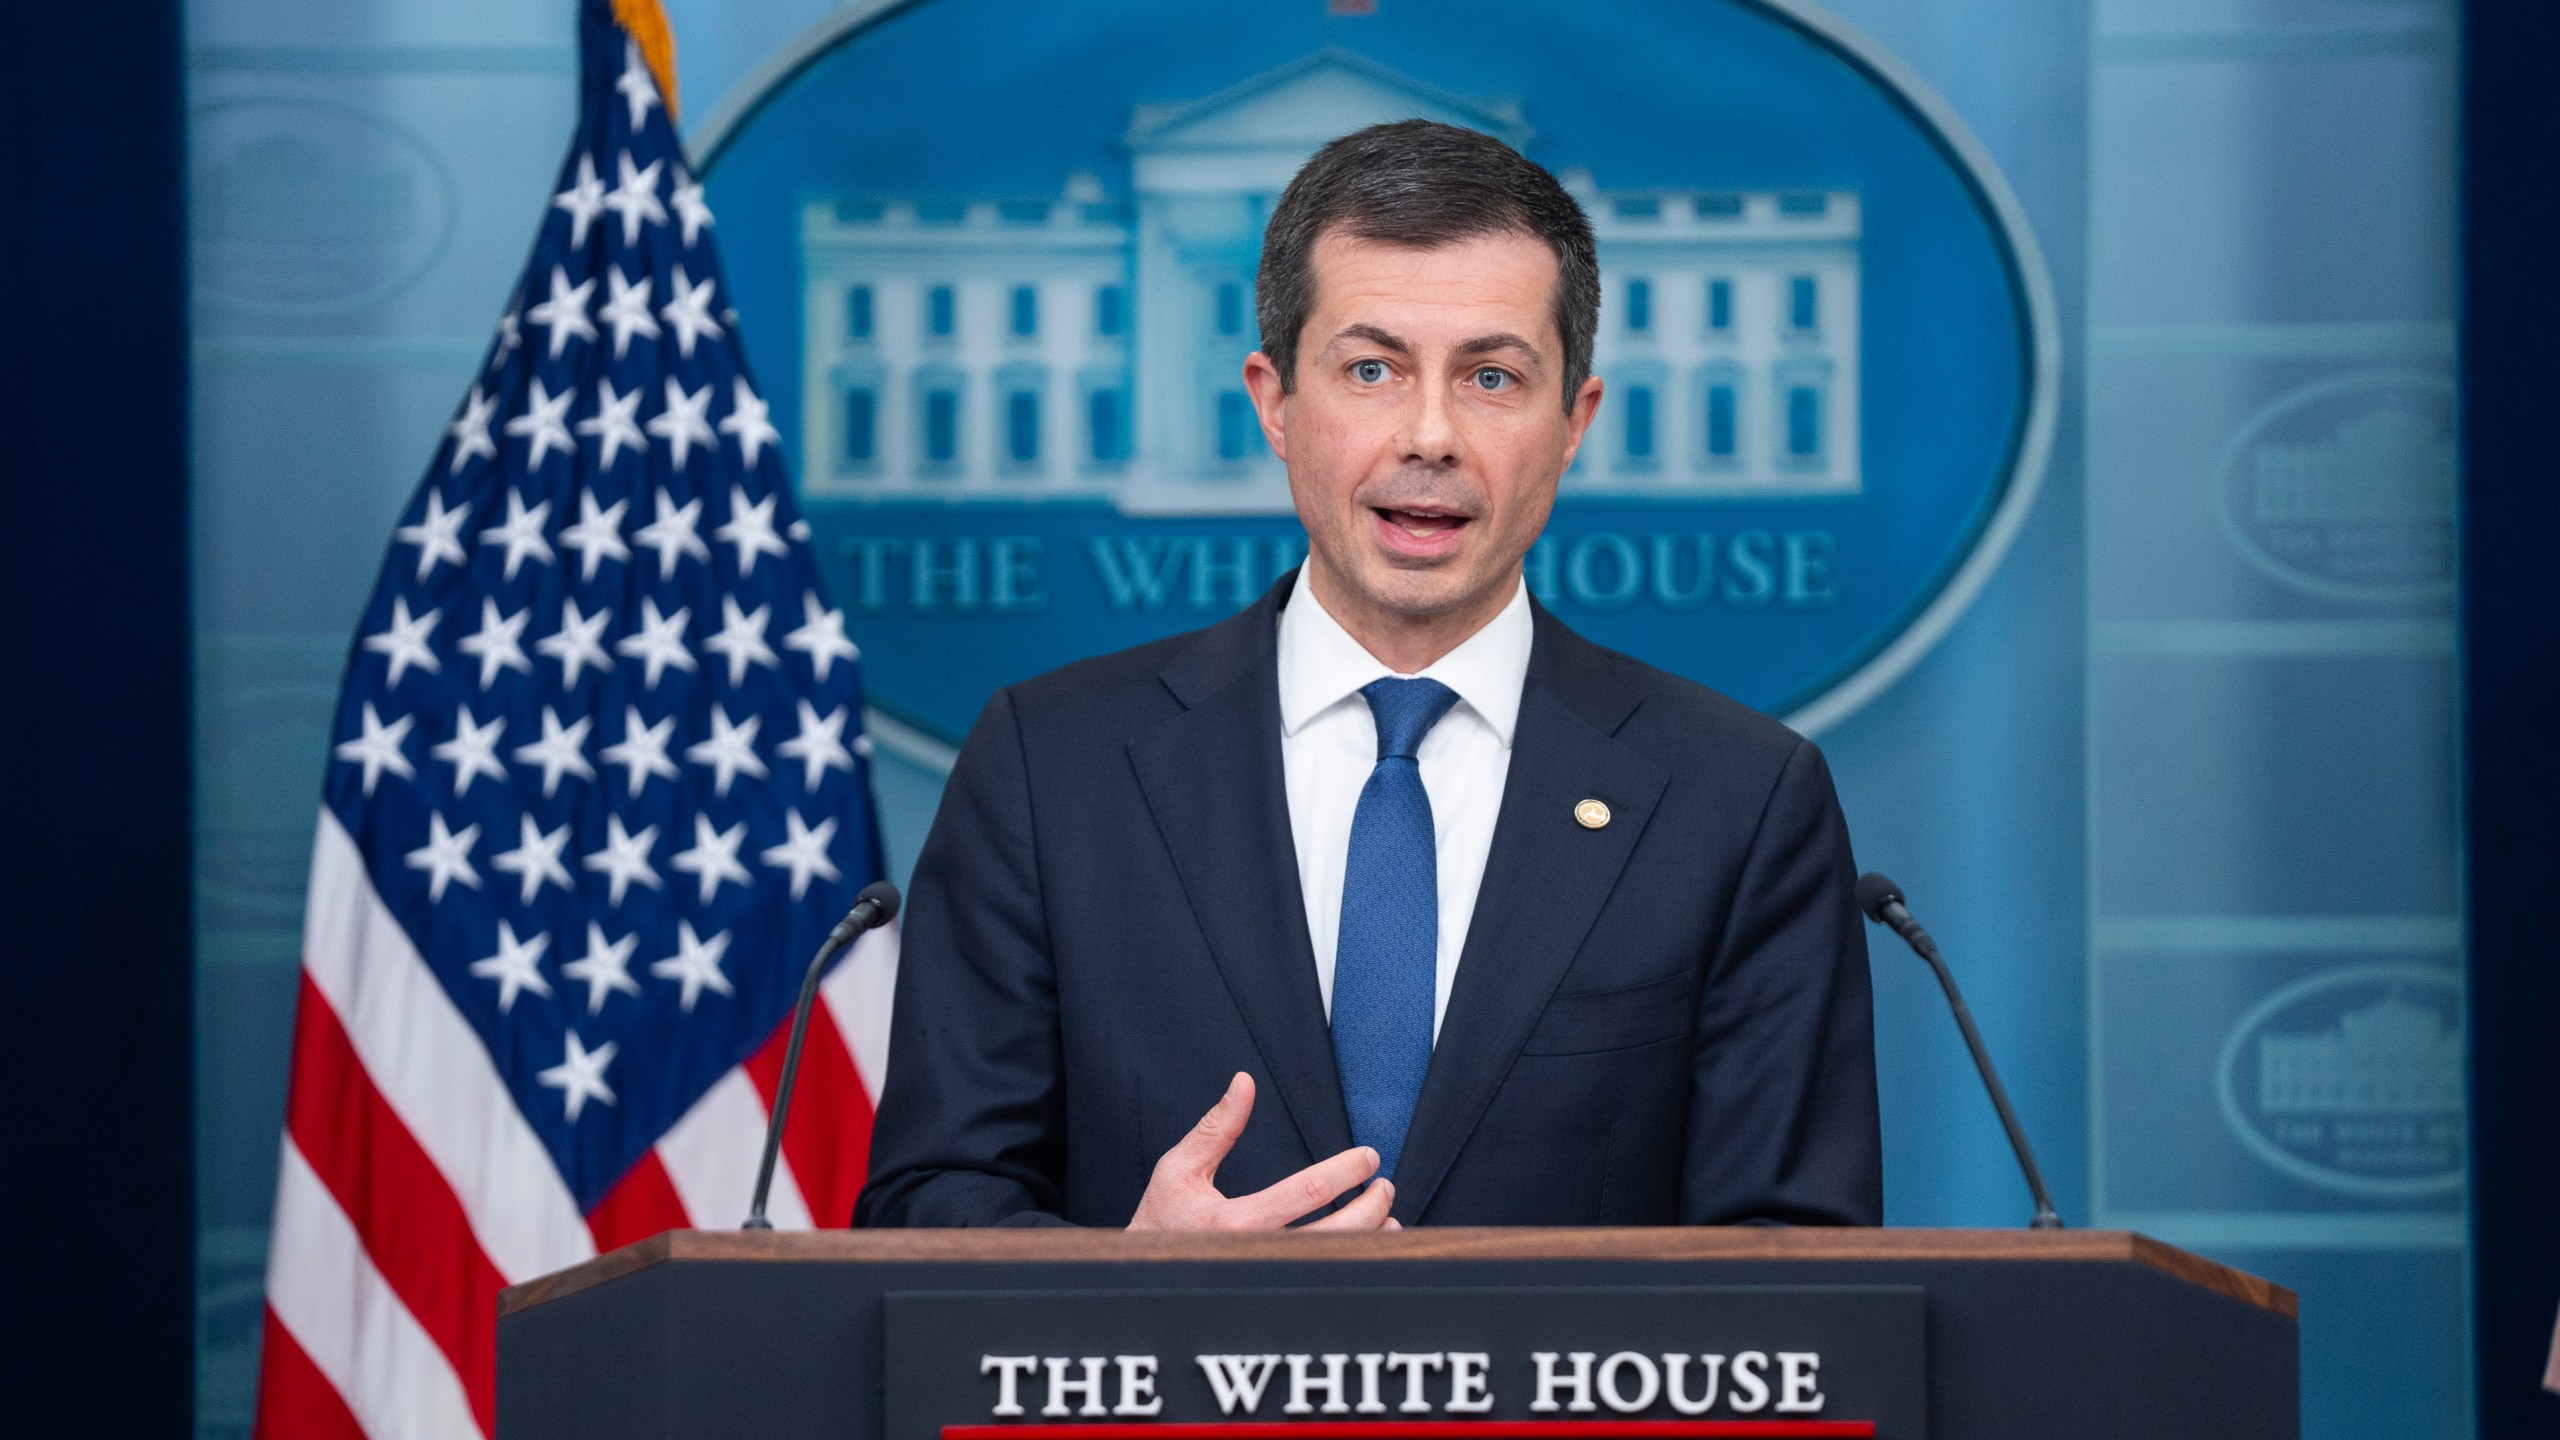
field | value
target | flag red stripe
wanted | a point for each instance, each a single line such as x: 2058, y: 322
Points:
x: 643, y: 1204
x: 411, y: 1223
x: 828, y: 1140
x: 296, y: 1401
x: 830, y: 1145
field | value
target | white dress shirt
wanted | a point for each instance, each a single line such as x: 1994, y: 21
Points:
x: 1329, y: 744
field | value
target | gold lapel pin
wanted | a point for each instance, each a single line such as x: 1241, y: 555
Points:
x: 1591, y: 814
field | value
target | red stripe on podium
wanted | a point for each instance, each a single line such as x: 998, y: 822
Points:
x: 1432, y: 1431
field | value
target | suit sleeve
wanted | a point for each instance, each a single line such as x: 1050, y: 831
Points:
x: 971, y: 1128
x: 1782, y: 1115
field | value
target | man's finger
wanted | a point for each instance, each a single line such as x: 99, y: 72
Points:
x: 1368, y: 1212
x: 1310, y: 1189
x: 1205, y: 1147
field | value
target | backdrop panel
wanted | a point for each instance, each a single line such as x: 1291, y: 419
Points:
x: 2174, y: 787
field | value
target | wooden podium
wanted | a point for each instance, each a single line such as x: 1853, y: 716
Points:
x: 913, y: 1335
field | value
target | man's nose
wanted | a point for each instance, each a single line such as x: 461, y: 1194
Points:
x: 1431, y: 429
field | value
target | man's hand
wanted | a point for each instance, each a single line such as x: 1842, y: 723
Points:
x: 1183, y: 1194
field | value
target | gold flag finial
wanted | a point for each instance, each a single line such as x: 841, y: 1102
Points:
x: 646, y: 24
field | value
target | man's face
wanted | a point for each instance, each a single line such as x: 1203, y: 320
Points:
x: 1428, y: 427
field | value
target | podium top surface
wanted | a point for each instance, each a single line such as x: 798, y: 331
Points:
x: 1751, y: 1243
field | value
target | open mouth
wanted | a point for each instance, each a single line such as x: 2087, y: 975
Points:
x: 1421, y: 524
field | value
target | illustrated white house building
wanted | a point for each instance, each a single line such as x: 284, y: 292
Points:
x: 2389, y: 1058
x: 2391, y: 464
x: 1082, y: 344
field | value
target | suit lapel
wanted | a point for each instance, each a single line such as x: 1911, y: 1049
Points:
x: 1212, y: 777
x: 1545, y: 882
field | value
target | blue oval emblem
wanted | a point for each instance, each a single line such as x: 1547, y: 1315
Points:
x: 303, y: 207
x: 2344, y: 487
x: 2351, y: 1080
x: 1008, y: 252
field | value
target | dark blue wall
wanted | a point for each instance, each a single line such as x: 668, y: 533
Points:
x: 94, y: 787
x: 2511, y: 692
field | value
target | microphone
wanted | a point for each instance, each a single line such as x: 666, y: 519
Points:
x: 876, y: 906
x: 1882, y: 900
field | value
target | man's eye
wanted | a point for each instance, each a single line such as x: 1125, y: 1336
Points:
x: 1492, y: 379
x: 1369, y: 372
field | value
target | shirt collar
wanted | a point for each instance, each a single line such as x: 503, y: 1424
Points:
x: 1321, y: 665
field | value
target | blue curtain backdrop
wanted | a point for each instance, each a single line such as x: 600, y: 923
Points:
x: 2178, y: 784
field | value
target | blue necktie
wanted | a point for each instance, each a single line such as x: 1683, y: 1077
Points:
x: 1386, y: 962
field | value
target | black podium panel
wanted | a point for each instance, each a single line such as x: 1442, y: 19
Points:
x: 2089, y: 1336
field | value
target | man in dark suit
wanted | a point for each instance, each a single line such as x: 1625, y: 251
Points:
x: 1456, y: 917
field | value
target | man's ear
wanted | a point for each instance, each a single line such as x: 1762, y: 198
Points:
x: 1270, y: 401
x: 1577, y: 420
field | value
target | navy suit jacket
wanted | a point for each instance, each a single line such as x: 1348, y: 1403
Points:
x: 1661, y: 1021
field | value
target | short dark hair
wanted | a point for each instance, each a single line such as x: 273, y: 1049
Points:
x: 1421, y: 184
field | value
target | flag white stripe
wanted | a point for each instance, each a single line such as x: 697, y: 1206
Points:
x: 432, y: 1070
x: 857, y: 992
x: 711, y: 1156
x: 343, y: 1313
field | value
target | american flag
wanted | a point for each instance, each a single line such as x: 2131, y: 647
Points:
x: 599, y: 788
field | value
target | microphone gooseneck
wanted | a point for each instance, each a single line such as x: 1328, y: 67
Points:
x: 877, y: 905
x: 1882, y: 901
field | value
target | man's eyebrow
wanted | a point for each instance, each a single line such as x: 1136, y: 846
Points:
x: 1373, y: 335
x: 1502, y: 340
